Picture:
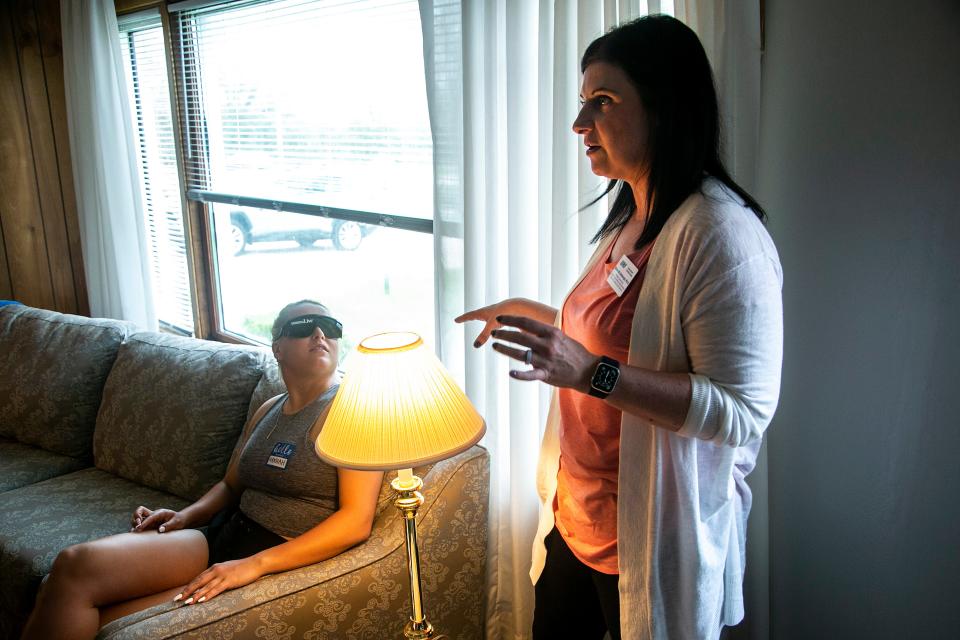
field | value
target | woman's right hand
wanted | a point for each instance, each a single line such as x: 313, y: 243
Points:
x: 487, y: 315
x: 509, y: 307
x: 162, y: 520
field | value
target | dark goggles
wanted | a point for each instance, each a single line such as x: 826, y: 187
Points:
x: 304, y: 326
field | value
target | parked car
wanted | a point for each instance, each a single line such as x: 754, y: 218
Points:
x: 249, y: 225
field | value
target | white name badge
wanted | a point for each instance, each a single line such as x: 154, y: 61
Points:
x: 622, y: 275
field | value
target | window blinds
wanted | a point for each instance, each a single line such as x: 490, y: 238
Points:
x: 141, y: 39
x: 320, y: 103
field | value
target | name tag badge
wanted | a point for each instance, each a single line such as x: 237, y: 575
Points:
x: 282, y: 452
x: 622, y: 275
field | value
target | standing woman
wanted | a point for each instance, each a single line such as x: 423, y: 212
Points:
x: 665, y: 356
x: 278, y: 507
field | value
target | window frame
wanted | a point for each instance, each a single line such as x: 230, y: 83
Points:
x: 198, y: 288
x: 198, y: 215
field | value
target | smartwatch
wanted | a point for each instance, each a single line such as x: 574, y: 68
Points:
x: 604, y: 378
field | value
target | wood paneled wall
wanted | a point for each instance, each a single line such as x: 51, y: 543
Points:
x: 40, y: 255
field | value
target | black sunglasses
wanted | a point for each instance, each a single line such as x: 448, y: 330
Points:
x: 304, y: 326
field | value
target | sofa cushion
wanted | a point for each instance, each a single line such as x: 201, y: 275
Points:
x: 52, y: 368
x: 8, y: 312
x: 39, y: 520
x: 270, y: 385
x: 173, y: 409
x: 21, y: 464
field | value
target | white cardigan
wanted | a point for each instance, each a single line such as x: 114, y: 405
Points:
x: 709, y: 305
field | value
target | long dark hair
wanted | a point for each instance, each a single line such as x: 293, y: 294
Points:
x: 666, y: 62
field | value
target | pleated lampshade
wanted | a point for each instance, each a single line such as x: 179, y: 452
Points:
x: 397, y: 407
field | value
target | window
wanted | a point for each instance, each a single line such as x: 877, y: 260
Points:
x: 306, y: 136
x: 141, y: 39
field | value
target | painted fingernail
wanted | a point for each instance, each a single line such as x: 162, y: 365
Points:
x: 162, y: 529
x: 188, y: 600
x: 202, y: 598
x: 178, y: 598
x: 476, y: 345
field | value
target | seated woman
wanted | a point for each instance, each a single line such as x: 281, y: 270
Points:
x: 279, y: 507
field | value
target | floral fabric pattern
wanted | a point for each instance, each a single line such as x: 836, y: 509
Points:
x: 7, y: 313
x: 172, y: 411
x: 21, y: 464
x: 40, y: 520
x: 53, y: 367
x: 270, y: 385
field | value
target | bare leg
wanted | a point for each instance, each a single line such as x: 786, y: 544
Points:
x: 115, y: 611
x: 88, y: 576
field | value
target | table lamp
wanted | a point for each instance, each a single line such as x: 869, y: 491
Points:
x: 398, y: 408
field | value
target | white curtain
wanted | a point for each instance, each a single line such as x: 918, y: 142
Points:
x: 102, y: 151
x: 730, y: 33
x: 503, y: 78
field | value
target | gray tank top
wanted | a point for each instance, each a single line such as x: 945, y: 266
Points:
x: 287, y: 488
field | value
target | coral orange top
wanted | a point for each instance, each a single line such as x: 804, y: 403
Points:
x: 585, y: 507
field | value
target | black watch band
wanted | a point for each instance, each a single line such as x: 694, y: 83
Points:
x: 605, y: 377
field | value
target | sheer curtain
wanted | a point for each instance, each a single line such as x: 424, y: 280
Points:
x: 502, y: 81
x: 102, y: 151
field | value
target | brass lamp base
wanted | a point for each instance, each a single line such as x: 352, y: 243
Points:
x: 426, y: 633
x: 408, y: 501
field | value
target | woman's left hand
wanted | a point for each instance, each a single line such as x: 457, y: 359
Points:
x: 556, y: 358
x: 219, y: 578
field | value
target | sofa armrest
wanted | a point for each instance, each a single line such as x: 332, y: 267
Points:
x: 363, y: 592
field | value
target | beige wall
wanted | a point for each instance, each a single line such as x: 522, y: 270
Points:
x: 40, y: 256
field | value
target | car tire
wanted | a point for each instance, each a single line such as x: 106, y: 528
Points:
x: 347, y: 235
x: 238, y: 238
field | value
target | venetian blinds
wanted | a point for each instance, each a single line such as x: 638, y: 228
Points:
x: 141, y: 41
x: 320, y: 102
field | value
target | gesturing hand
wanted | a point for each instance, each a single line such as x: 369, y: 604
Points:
x: 219, y: 578
x: 556, y: 358
x: 162, y: 520
x: 488, y: 315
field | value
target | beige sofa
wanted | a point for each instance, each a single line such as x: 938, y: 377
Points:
x: 96, y: 418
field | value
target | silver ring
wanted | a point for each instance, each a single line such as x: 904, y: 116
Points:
x: 528, y: 356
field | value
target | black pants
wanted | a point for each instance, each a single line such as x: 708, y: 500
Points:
x: 571, y: 599
x: 231, y: 536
